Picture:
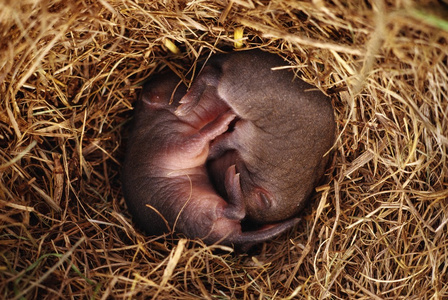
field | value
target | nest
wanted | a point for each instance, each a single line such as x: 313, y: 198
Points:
x: 69, y: 73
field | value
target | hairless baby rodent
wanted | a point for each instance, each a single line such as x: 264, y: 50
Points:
x: 165, y: 180
x: 283, y: 129
x: 245, y: 143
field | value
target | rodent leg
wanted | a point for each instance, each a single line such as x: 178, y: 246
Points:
x: 209, y: 76
x: 236, y: 209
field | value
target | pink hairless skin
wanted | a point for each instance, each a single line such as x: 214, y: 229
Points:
x: 245, y: 144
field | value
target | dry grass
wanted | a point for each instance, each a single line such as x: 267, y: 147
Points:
x: 69, y: 72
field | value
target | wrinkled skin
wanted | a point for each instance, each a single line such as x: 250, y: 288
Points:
x: 165, y: 180
x: 274, y: 155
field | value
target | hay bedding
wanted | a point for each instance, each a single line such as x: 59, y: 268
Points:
x: 69, y: 73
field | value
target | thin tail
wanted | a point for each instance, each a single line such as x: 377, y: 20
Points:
x: 247, y: 239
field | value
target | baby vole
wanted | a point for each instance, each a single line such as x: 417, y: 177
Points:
x: 278, y: 142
